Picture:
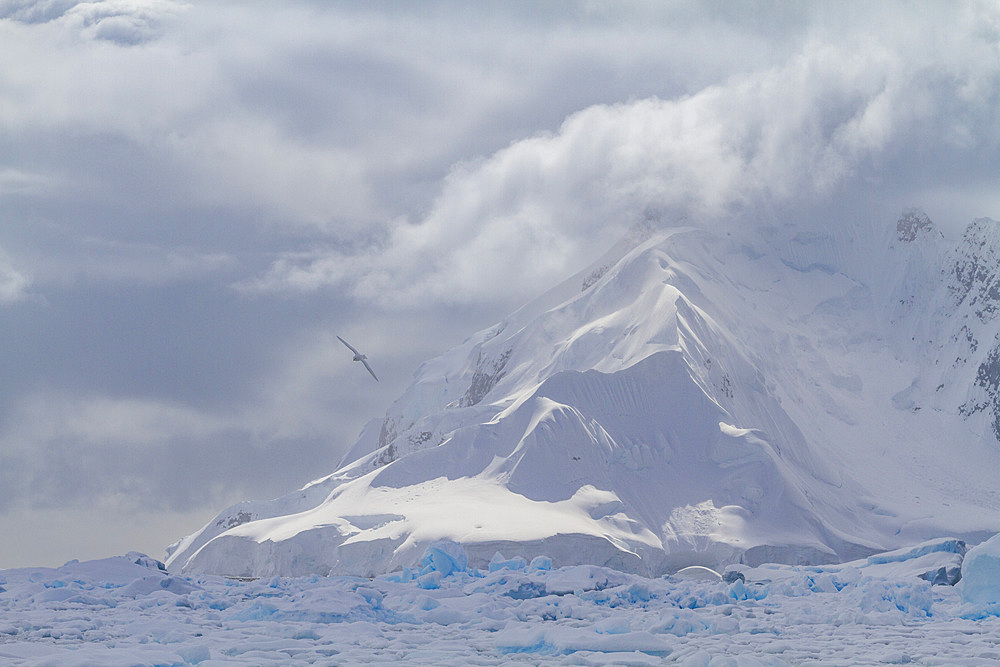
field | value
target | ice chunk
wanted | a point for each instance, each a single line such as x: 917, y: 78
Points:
x: 429, y: 581
x: 402, y: 576
x: 143, y: 560
x: 614, y: 625
x: 540, y: 563
x: 638, y: 593
x: 943, y: 576
x: 445, y: 557
x: 731, y: 575
x: 881, y: 597
x: 579, y: 578
x: 498, y: 562
x: 944, y: 545
x: 192, y: 655
x: 562, y: 640
x: 981, y: 573
x: 146, y: 585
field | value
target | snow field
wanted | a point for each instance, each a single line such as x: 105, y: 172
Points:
x: 118, y: 611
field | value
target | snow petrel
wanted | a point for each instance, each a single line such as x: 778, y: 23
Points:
x: 358, y: 356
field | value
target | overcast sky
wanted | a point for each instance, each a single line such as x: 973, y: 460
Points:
x: 196, y: 198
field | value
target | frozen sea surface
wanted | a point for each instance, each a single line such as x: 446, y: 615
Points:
x: 118, y: 611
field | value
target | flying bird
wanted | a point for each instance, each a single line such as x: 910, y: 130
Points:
x: 358, y: 356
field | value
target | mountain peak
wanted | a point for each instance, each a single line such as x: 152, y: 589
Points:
x: 914, y: 223
x: 699, y: 402
x: 976, y: 268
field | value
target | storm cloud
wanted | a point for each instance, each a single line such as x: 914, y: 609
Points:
x: 195, y: 198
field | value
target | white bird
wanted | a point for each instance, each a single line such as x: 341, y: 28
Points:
x: 358, y: 356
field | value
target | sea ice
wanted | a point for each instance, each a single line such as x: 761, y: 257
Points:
x: 126, y: 611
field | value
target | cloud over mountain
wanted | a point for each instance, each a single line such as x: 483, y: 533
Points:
x: 828, y: 120
x: 367, y: 169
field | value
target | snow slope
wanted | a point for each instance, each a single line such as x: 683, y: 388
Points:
x: 692, y: 398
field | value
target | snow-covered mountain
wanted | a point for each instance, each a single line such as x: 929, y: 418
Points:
x: 693, y: 397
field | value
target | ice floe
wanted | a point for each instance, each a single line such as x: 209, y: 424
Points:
x: 440, y: 611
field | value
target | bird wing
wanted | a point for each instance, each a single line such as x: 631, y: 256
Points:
x: 349, y: 346
x: 370, y: 369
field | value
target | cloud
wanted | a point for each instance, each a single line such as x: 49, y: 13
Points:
x: 333, y: 116
x: 401, y: 174
x: 141, y: 423
x: 35, y: 11
x: 60, y: 450
x: 124, y: 22
x: 90, y: 260
x: 61, y: 447
x: 16, y: 181
x: 13, y: 283
x: 533, y: 212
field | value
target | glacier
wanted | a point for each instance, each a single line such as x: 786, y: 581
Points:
x: 695, y: 397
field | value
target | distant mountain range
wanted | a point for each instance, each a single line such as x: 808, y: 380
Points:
x: 693, y: 397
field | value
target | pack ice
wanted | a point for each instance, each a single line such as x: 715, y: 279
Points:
x: 884, y: 609
x: 695, y: 397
